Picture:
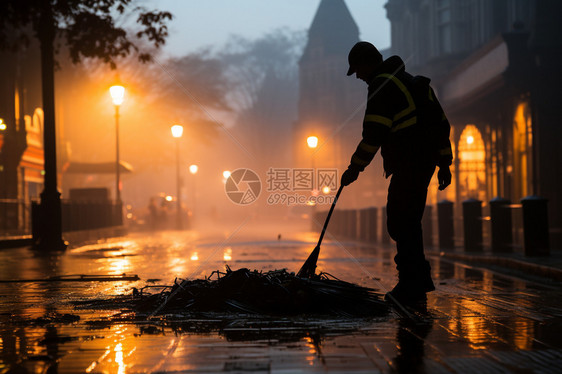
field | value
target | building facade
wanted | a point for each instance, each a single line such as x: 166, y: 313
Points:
x: 496, y: 68
x: 21, y: 138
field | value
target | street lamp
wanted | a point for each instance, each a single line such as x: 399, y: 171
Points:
x: 177, y: 132
x: 117, y: 93
x: 312, y: 142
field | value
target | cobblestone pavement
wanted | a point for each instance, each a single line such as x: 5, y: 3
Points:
x: 481, y: 320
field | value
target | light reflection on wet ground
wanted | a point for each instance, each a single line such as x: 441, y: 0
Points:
x: 481, y: 321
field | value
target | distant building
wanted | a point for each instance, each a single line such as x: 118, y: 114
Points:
x: 496, y: 68
x: 21, y: 138
x: 331, y: 104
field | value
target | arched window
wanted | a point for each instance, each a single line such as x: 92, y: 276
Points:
x: 472, y: 166
x: 522, y: 146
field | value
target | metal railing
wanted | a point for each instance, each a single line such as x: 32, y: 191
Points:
x: 17, y: 216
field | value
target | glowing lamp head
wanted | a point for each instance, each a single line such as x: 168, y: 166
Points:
x: 117, y: 93
x: 326, y: 190
x: 193, y: 169
x: 2, y: 125
x: 469, y: 139
x: 226, y: 174
x: 177, y: 131
x: 312, y: 141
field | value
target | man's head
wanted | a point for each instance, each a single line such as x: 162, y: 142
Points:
x: 363, y: 59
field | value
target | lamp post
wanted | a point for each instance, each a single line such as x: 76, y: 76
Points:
x: 177, y: 132
x: 312, y: 142
x: 193, y: 169
x: 117, y: 93
x: 49, y: 219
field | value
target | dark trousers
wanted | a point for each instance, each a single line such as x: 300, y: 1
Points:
x: 407, y: 194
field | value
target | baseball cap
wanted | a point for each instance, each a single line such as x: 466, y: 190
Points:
x: 362, y: 52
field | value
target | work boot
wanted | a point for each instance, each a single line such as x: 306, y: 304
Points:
x: 407, y: 294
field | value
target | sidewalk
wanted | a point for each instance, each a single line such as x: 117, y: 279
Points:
x: 549, y: 267
x: 546, y: 267
x: 15, y: 241
x: 478, y: 318
x: 74, y: 237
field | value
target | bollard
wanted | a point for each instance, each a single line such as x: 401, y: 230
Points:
x: 351, y: 223
x: 320, y: 217
x: 445, y: 224
x: 335, y: 223
x: 472, y: 223
x: 535, y: 226
x: 385, y: 237
x: 427, y: 226
x: 372, y: 228
x: 364, y: 225
x: 313, y: 221
x: 341, y: 223
x: 345, y: 223
x: 500, y: 216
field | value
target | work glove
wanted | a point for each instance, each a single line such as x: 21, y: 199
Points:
x: 443, y: 176
x: 349, y: 176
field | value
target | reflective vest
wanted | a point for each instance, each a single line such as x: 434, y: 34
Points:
x: 405, y: 119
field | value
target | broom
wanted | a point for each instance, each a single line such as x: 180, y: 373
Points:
x: 308, y: 269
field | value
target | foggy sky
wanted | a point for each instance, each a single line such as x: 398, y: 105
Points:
x: 199, y: 24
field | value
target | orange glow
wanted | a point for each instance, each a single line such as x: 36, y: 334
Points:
x: 194, y: 256
x: 326, y: 190
x: 177, y: 131
x: 119, y: 358
x: 169, y: 198
x: 522, y: 150
x: 472, y: 163
x: 2, y: 125
x: 193, y: 169
x: 117, y: 93
x: 226, y: 174
x: 312, y: 141
x: 227, y: 256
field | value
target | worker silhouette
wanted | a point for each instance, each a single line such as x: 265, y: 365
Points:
x: 404, y: 119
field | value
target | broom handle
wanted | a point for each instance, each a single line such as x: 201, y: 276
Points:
x: 329, y: 215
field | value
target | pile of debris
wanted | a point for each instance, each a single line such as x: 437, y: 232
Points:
x: 275, y: 292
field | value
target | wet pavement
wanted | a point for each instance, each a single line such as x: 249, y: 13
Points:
x: 481, y: 320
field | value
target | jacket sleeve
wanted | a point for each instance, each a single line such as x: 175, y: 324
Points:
x: 443, y: 133
x: 377, y: 122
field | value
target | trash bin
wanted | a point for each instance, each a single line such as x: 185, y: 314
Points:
x: 472, y: 223
x: 501, y: 224
x: 535, y: 226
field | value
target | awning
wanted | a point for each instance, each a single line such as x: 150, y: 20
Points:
x: 477, y: 74
x: 96, y: 167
